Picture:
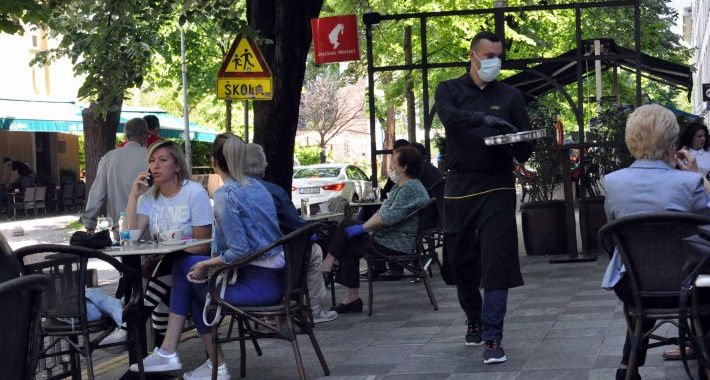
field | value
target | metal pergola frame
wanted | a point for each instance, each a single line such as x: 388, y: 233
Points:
x: 373, y: 18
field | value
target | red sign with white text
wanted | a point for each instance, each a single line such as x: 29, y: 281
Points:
x: 335, y: 39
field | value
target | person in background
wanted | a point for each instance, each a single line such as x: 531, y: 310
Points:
x: 480, y: 235
x: 389, y: 184
x: 323, y: 156
x: 694, y: 139
x: 351, y: 239
x: 245, y: 221
x: 651, y: 133
x: 184, y: 205
x: 114, y: 176
x: 153, y: 131
x: 21, y: 173
x: 289, y: 220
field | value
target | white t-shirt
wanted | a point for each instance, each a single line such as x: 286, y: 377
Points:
x: 190, y: 207
x: 702, y: 157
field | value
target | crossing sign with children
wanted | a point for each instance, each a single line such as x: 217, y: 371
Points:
x: 244, y: 73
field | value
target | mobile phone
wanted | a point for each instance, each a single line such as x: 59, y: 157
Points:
x: 149, y: 180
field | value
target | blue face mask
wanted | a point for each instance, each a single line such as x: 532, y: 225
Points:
x: 490, y: 68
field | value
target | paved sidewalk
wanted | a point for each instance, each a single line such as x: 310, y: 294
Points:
x: 560, y: 325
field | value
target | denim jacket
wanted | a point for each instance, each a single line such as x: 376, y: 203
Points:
x: 245, y: 221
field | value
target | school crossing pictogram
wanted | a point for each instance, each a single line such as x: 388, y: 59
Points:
x: 244, y: 73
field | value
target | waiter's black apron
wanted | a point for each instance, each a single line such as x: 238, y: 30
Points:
x: 480, y: 229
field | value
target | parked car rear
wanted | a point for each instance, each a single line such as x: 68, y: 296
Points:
x: 319, y: 183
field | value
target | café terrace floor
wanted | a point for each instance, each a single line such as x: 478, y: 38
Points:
x: 560, y: 325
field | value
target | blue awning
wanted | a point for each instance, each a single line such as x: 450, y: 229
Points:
x: 49, y: 116
x: 170, y: 126
x: 44, y: 116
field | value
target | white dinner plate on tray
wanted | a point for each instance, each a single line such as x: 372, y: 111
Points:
x: 514, y: 137
x: 170, y: 243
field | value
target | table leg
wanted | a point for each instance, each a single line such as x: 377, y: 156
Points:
x: 134, y: 262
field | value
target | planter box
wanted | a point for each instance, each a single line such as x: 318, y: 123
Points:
x: 544, y: 228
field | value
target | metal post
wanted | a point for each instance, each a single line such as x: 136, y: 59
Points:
x: 246, y: 121
x: 185, y: 108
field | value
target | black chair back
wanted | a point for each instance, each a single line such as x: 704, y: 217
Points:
x: 651, y: 248
x: 64, y: 302
x: 19, y: 325
x: 294, y: 308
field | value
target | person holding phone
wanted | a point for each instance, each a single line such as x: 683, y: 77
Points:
x: 245, y: 221
x: 185, y: 204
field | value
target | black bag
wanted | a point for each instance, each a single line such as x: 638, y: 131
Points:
x: 98, y: 240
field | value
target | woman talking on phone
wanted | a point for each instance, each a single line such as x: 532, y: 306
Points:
x: 165, y: 192
x: 245, y: 221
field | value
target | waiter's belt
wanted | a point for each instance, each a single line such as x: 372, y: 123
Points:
x: 481, y: 192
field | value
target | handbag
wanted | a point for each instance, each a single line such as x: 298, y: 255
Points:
x: 98, y: 240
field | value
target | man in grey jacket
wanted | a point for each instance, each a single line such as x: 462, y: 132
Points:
x: 115, y: 175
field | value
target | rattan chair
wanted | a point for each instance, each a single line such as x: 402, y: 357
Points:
x: 20, y: 300
x: 64, y: 313
x: 651, y: 248
x: 412, y: 262
x: 292, y: 316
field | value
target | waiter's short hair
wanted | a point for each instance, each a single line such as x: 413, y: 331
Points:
x: 484, y: 35
x: 650, y: 130
x: 411, y: 159
x: 6, y: 159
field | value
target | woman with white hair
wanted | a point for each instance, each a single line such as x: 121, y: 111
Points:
x: 651, y: 134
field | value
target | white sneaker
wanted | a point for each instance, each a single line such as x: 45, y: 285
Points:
x: 119, y: 335
x: 204, y: 372
x: 157, y: 362
x: 322, y: 315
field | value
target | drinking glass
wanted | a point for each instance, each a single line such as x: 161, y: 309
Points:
x: 104, y: 223
x: 157, y: 227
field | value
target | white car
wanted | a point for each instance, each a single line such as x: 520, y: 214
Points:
x: 319, y: 183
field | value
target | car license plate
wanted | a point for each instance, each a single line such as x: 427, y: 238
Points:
x: 309, y: 190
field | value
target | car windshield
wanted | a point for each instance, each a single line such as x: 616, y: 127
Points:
x: 317, y: 173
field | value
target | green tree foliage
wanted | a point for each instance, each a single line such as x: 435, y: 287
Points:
x: 534, y: 34
x: 15, y: 13
x: 110, y: 44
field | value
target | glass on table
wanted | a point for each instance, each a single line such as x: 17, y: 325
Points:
x: 157, y: 227
x: 104, y: 223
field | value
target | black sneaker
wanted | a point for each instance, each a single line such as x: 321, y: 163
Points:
x: 493, y: 353
x: 473, y: 335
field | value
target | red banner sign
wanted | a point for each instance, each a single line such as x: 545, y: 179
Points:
x: 335, y: 39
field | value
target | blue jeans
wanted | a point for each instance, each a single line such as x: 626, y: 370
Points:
x: 255, y: 286
x: 488, y: 310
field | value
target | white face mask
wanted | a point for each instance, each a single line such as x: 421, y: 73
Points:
x: 490, y: 68
x: 394, y: 177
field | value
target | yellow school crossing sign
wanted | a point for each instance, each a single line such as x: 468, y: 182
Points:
x: 244, y: 73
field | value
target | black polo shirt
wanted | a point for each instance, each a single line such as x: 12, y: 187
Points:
x: 461, y: 105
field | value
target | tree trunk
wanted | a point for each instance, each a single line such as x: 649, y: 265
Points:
x: 287, y: 24
x: 389, y: 140
x: 99, y: 138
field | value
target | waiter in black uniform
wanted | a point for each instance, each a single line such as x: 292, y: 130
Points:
x: 480, y: 235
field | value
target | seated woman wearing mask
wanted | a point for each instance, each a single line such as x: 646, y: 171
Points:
x: 350, y: 241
